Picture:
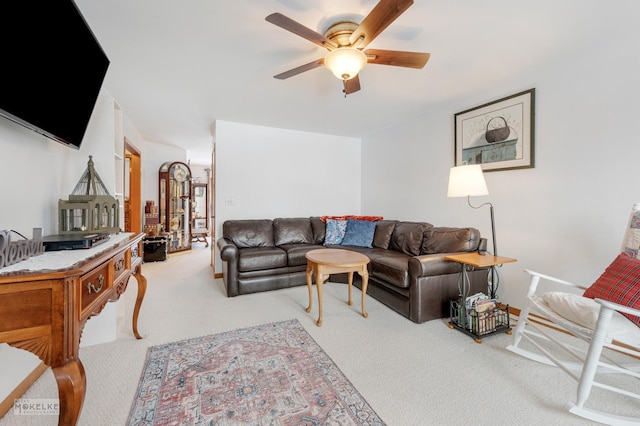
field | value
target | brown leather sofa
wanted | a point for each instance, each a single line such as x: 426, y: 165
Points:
x: 407, y: 272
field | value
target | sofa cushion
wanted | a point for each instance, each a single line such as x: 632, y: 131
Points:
x: 335, y: 230
x: 407, y: 237
x: 382, y: 235
x: 393, y: 268
x: 292, y: 231
x: 450, y: 240
x: 258, y: 258
x: 249, y: 232
x: 318, y: 228
x: 296, y: 253
x: 359, y: 233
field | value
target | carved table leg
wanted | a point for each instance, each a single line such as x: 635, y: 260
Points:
x: 309, y: 285
x: 72, y: 384
x: 350, y: 281
x: 142, y: 289
x: 365, y: 281
x: 319, y: 281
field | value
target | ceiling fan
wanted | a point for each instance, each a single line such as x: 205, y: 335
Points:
x: 346, y: 40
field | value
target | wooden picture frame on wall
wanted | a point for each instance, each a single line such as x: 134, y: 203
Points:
x: 498, y: 135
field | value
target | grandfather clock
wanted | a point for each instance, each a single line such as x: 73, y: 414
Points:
x: 175, y: 204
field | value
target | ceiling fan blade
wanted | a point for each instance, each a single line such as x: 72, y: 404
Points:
x: 351, y: 85
x: 397, y: 58
x: 300, y: 69
x: 299, y: 29
x: 383, y: 14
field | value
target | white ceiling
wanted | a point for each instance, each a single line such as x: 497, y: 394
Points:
x: 179, y: 65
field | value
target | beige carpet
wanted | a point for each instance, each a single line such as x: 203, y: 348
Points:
x: 411, y: 374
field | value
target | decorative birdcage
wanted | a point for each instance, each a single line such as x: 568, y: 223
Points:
x: 90, y: 208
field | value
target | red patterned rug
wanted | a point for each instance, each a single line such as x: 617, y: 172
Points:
x: 273, y: 374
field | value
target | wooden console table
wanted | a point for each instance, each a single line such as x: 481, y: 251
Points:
x: 44, y: 311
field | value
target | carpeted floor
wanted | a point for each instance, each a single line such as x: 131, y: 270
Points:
x: 410, y: 374
x: 263, y: 375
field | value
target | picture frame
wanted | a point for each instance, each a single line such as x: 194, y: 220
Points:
x: 498, y: 135
x: 200, y: 223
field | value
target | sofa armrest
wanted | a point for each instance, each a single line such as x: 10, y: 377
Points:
x: 228, y: 250
x: 432, y: 264
x: 229, y: 254
x: 482, y: 245
x: 428, y: 265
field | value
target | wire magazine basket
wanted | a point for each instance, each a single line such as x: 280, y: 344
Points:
x: 479, y: 323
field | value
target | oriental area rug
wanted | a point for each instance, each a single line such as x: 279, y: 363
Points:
x: 272, y: 374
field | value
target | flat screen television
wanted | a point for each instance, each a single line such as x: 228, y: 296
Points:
x: 52, y: 68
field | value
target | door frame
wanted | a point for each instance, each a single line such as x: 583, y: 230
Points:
x: 135, y: 186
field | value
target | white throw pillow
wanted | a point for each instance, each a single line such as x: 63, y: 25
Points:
x: 578, y: 309
x: 584, y: 311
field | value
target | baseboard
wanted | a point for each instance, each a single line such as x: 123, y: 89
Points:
x: 514, y: 311
x: 217, y: 275
x: 8, y: 402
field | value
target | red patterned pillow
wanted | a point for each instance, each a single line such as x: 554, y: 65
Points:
x: 620, y: 283
x: 351, y: 216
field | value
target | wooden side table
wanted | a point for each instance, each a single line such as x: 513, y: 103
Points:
x: 200, y: 235
x: 324, y: 262
x: 469, y: 261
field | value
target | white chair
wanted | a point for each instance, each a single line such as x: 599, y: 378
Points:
x: 585, y: 338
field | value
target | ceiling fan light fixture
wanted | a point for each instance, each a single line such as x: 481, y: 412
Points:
x: 345, y: 62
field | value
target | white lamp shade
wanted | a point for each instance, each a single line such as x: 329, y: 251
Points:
x: 345, y: 62
x: 466, y: 180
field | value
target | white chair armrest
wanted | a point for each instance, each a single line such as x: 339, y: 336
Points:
x: 553, y: 279
x: 618, y: 307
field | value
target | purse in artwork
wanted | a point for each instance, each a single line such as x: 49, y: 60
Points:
x: 497, y: 130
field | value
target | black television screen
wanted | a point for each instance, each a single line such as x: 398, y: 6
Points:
x: 52, y: 68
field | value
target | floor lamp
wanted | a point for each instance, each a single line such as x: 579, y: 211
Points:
x: 467, y: 181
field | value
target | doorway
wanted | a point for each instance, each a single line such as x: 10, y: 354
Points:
x: 132, y: 189
x: 212, y: 209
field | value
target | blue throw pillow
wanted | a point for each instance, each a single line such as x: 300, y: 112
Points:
x: 359, y: 233
x: 335, y: 231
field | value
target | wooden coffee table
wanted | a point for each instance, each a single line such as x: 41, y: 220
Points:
x: 324, y: 262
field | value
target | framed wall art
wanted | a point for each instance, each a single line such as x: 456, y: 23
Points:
x: 498, y: 135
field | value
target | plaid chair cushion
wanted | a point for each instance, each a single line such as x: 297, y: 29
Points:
x: 620, y: 283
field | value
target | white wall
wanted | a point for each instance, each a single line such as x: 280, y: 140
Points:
x: 565, y: 217
x: 37, y: 172
x: 264, y: 173
x: 153, y: 156
x: 199, y: 172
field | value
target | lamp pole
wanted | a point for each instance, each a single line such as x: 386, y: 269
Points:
x: 494, y: 283
x: 493, y: 223
x: 493, y: 230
